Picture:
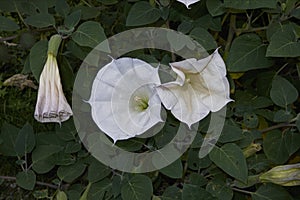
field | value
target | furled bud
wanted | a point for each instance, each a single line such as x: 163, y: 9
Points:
x: 251, y: 150
x: 285, y: 175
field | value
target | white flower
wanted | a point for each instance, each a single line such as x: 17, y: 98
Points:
x: 187, y: 3
x: 201, y: 86
x: 123, y: 100
x: 51, y: 105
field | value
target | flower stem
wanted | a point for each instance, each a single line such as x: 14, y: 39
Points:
x: 242, y: 191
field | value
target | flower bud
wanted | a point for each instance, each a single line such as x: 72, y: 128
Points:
x: 251, y: 150
x: 285, y: 175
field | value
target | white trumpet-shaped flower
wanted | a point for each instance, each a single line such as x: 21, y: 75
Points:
x: 123, y: 100
x: 51, y: 105
x: 201, y: 86
x: 187, y: 3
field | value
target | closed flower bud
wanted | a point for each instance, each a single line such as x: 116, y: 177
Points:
x: 51, y: 105
x: 285, y: 175
x: 251, y: 150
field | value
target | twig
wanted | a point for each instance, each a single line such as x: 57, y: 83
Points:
x: 242, y: 191
x: 241, y: 30
x: 230, y: 33
x: 8, y: 38
x: 277, y: 126
x: 11, y: 178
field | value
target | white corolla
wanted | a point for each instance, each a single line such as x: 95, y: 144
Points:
x: 201, y: 86
x: 187, y: 3
x: 51, y: 105
x: 124, y: 102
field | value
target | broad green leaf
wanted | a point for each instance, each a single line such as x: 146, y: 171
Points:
x: 204, y: 38
x: 25, y: 141
x: 38, y: 56
x: 174, y: 170
x: 62, y: 158
x: 275, y: 148
x: 296, y: 13
x: 185, y: 27
x: 108, y: 2
x: 7, y: 24
x: 142, y: 13
x: 40, y: 20
x: 197, y: 179
x: 250, y: 120
x: 195, y: 163
x: 89, y: 34
x: 73, y: 19
x: 230, y: 159
x: 271, y: 192
x: 72, y: 147
x: 43, y: 151
x: 192, y: 192
x: 283, y: 92
x: 215, y: 7
x: 171, y: 193
x: 138, y: 187
x: 246, y: 53
x: 250, y: 4
x: 40, y: 194
x: 87, y: 12
x: 62, y: 7
x: 284, y: 43
x: 292, y: 141
x: 219, y: 189
x: 230, y: 133
x: 282, y: 116
x: 9, y: 134
x: 44, y: 165
x: 26, y: 179
x: 61, y: 196
x: 97, y: 171
x: 100, y: 190
x: 27, y: 40
x: 71, y: 172
x: 209, y: 22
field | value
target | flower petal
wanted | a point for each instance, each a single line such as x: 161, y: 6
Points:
x: 201, y: 86
x: 187, y: 3
x: 113, y: 98
x: 51, y: 105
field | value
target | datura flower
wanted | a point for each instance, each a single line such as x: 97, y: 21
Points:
x: 285, y: 175
x: 51, y: 105
x: 123, y: 99
x: 187, y: 3
x: 201, y: 86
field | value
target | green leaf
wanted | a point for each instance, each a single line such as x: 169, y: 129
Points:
x: 197, y: 179
x: 215, y: 7
x: 171, y: 193
x: 25, y: 141
x: 43, y: 151
x: 71, y: 172
x: 87, y: 12
x: 282, y: 116
x: 38, y: 56
x: 97, y: 171
x: 9, y: 134
x: 89, y: 34
x: 283, y: 92
x: 40, y: 20
x: 219, y: 189
x: 250, y: 4
x: 138, y: 187
x: 100, y: 190
x: 61, y: 196
x: 270, y: 192
x: 7, y: 24
x: 230, y: 133
x: 40, y: 194
x: 174, y: 170
x: 292, y: 142
x: 44, y: 165
x: 275, y: 148
x: 250, y: 120
x: 142, y: 13
x: 26, y: 180
x: 246, y: 53
x: 230, y: 158
x: 192, y: 192
x: 73, y: 19
x: 62, y: 7
x: 284, y: 43
x: 204, y: 38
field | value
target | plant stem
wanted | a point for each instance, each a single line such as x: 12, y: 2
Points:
x: 230, y: 34
x: 277, y: 126
x: 242, y: 191
x: 11, y: 178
